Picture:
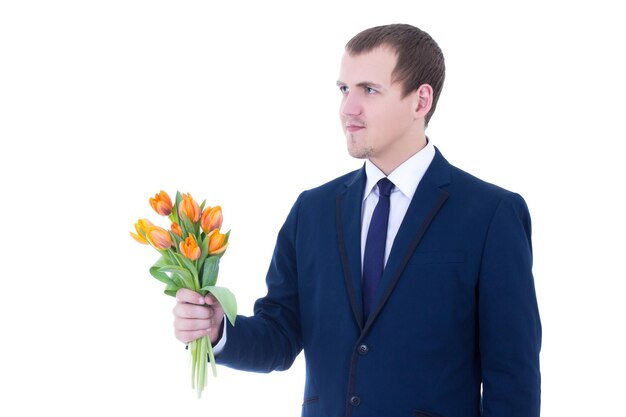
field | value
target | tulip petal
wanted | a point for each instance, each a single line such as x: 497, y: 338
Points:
x: 139, y: 238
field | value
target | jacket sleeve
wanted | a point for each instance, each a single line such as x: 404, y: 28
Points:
x: 271, y: 339
x: 509, y: 324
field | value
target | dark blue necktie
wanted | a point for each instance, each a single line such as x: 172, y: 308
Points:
x: 374, y: 257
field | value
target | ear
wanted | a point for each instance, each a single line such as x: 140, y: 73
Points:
x: 423, y: 97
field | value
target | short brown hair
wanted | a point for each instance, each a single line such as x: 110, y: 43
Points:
x: 420, y: 60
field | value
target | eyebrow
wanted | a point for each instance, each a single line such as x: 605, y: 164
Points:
x: 363, y: 84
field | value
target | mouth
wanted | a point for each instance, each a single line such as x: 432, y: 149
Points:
x: 353, y: 127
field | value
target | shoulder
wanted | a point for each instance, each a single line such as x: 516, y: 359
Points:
x: 477, y: 194
x: 330, y: 189
x: 465, y: 182
x: 338, y: 184
x: 320, y: 200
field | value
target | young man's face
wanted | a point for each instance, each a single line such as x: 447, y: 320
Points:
x: 378, y: 123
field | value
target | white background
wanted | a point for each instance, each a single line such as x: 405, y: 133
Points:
x: 104, y: 103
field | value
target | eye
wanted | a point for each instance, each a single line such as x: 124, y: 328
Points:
x: 370, y: 90
x: 344, y: 89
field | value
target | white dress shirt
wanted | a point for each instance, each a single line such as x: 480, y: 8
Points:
x: 405, y: 178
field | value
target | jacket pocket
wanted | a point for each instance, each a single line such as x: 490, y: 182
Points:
x: 310, y: 407
x: 422, y: 413
x: 310, y: 400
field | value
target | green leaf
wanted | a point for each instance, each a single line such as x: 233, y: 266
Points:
x: 204, y: 250
x: 170, y: 257
x: 184, y: 274
x: 174, y: 214
x: 161, y: 276
x: 189, y: 266
x: 187, y: 226
x: 227, y: 299
x: 155, y: 270
x: 210, y: 270
x: 175, y: 239
x: 200, y: 261
x: 171, y: 290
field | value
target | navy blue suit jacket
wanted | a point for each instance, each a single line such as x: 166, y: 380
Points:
x: 456, y: 306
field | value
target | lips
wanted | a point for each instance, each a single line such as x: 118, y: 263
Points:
x: 354, y: 127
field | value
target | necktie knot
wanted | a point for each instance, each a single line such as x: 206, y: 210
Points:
x: 385, y: 186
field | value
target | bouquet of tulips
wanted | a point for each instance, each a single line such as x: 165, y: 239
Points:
x: 190, y: 255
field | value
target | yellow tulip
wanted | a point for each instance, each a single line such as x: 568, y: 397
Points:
x: 217, y: 242
x: 176, y: 229
x: 189, y: 207
x: 141, y: 226
x: 211, y: 219
x: 159, y: 237
x: 161, y: 203
x: 189, y: 247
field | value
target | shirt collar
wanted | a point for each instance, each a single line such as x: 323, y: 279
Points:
x: 405, y: 177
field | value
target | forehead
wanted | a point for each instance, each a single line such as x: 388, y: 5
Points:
x: 374, y: 66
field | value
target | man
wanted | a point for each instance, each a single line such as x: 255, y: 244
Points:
x: 450, y: 326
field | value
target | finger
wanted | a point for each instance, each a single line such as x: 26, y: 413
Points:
x: 210, y: 299
x: 192, y: 311
x: 184, y: 295
x: 181, y: 324
x: 189, y: 336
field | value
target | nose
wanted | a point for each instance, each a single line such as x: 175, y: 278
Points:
x: 351, y: 105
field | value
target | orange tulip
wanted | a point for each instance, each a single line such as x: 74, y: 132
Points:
x: 189, y: 207
x: 177, y: 230
x: 159, y: 237
x: 217, y: 242
x: 211, y: 219
x: 141, y: 226
x: 162, y: 203
x: 189, y: 247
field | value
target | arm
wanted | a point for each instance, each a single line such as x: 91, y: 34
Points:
x: 271, y: 339
x: 509, y: 324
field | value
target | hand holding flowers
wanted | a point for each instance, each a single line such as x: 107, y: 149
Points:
x: 190, y: 254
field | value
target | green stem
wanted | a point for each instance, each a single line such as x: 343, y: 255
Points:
x: 192, y: 349
x: 200, y: 369
x: 211, y: 357
x: 196, y: 277
x: 176, y: 259
x: 200, y: 349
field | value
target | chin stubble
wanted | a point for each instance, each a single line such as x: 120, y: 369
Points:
x: 356, y: 152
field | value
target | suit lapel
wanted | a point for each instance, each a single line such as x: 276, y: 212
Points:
x: 348, y: 220
x: 427, y: 200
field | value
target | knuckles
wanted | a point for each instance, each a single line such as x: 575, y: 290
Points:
x: 186, y: 311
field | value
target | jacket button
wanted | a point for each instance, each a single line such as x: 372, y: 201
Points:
x: 363, y: 349
x: 355, y: 401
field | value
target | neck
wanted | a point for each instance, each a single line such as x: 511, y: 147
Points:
x: 389, y: 162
